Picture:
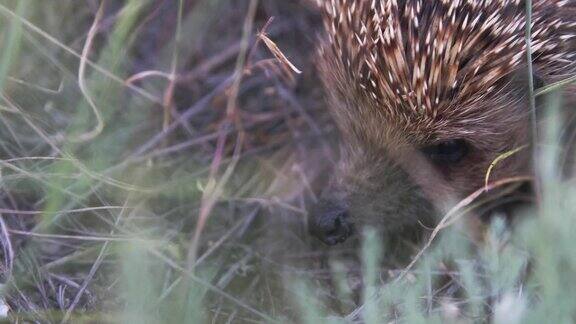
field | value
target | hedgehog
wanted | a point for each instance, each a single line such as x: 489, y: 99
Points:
x: 426, y: 94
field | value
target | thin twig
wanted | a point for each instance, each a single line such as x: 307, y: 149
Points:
x: 167, y: 101
x: 8, y: 251
x: 556, y: 85
x: 79, y: 238
x: 499, y: 159
x: 68, y: 211
x: 82, y: 79
x: 532, y: 100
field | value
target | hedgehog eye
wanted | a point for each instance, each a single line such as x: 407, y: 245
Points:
x: 452, y: 151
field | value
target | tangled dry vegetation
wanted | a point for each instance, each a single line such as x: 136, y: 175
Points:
x: 157, y: 159
x: 141, y: 131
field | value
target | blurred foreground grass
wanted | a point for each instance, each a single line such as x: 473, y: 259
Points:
x: 147, y: 174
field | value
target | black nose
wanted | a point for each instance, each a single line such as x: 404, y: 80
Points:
x: 330, y: 224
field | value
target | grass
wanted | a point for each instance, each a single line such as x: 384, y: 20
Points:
x: 157, y: 162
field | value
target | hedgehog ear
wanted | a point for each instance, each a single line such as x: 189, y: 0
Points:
x: 538, y: 81
x: 519, y: 79
x: 519, y: 83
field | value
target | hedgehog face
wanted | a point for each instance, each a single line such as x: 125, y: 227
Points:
x: 391, y: 182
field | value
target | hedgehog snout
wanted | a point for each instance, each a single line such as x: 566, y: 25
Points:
x: 330, y: 222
